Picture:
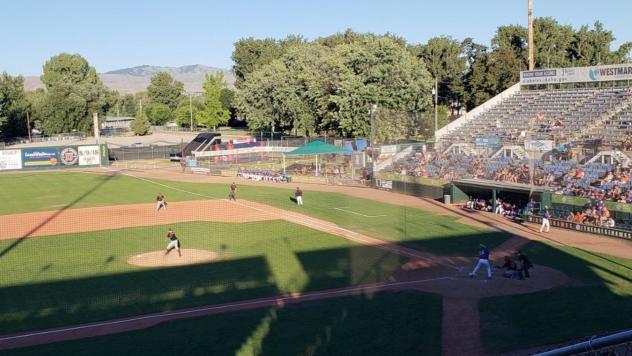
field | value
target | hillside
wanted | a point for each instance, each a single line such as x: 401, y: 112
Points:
x: 135, y: 79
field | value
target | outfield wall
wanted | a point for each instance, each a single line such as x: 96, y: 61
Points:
x: 53, y: 157
x: 415, y: 186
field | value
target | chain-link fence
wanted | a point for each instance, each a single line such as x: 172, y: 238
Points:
x: 143, y: 152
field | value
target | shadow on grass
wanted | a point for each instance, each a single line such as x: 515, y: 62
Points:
x: 52, y: 304
x: 18, y: 241
x: 598, y: 302
x: 390, y: 323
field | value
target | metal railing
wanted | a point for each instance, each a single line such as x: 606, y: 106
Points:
x: 619, y: 344
x: 591, y: 229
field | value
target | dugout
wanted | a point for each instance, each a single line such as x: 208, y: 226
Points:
x: 461, y: 191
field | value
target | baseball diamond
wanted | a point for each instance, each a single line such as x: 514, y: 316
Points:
x: 264, y: 246
x: 343, y: 178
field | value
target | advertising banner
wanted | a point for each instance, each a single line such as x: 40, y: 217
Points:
x: 538, y: 145
x: 487, y: 141
x: 384, y: 184
x: 69, y: 156
x: 10, y: 159
x: 577, y: 74
x: 40, y: 157
x: 89, y: 155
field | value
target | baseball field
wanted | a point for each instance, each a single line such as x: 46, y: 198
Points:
x: 354, y: 270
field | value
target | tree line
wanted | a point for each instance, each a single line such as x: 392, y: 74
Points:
x: 73, y: 92
x: 346, y: 84
x: 330, y: 84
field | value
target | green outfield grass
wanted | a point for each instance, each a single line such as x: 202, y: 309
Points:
x: 75, y: 278
x: 397, y: 323
x: 601, y: 301
x: 411, y: 227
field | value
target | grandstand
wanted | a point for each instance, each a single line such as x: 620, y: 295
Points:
x: 558, y: 114
x: 567, y: 134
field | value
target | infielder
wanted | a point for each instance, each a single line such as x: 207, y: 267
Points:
x: 160, y: 202
x: 173, y: 243
x: 483, y: 260
x: 231, y: 193
x: 298, y: 195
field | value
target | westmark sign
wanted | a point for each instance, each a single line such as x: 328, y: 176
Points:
x: 577, y: 74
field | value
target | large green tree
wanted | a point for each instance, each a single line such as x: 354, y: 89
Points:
x: 214, y: 113
x: 330, y: 84
x: 188, y: 110
x: 251, y: 54
x: 158, y: 113
x: 445, y: 59
x: 73, y: 93
x: 13, y: 107
x: 163, y: 89
x: 140, y: 125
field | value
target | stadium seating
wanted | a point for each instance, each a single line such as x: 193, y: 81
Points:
x: 544, y: 114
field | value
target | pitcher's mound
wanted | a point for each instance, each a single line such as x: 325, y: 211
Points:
x: 158, y: 258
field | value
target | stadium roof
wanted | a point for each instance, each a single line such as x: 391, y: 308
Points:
x: 315, y: 148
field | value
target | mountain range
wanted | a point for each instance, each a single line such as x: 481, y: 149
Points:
x: 136, y: 79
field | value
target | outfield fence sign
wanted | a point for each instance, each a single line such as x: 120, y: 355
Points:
x: 89, y: 155
x: 53, y: 157
x: 40, y: 157
x: 577, y: 74
x: 10, y: 160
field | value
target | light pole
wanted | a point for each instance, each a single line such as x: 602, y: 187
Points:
x: 372, y: 111
x: 530, y: 34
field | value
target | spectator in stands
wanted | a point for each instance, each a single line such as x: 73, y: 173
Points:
x: 610, y: 223
x: 570, y: 217
x: 557, y: 124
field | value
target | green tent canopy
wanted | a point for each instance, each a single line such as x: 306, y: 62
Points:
x: 315, y: 148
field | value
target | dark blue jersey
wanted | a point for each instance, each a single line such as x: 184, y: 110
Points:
x: 483, y: 254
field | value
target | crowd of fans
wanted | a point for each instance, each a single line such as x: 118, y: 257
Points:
x: 593, y: 215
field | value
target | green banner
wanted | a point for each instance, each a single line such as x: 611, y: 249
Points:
x: 580, y: 202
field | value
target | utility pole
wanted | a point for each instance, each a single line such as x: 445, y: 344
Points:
x: 191, y: 111
x: 28, y: 125
x: 372, y: 111
x: 530, y: 24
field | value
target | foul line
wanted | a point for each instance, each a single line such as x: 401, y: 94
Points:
x: 349, y: 235
x: 342, y: 208
x: 264, y: 301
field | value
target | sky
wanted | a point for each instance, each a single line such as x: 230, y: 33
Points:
x: 118, y: 34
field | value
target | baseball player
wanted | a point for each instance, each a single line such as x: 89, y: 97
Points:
x: 298, y: 195
x: 160, y: 202
x: 231, y: 193
x: 545, y: 220
x: 483, y: 260
x: 173, y: 243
